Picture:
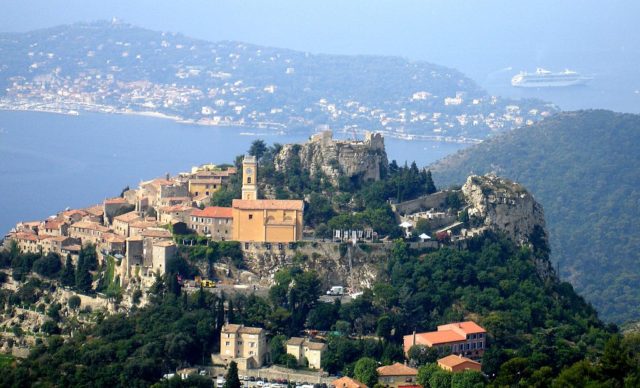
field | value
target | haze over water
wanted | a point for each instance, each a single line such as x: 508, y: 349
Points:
x: 490, y: 41
x: 49, y: 162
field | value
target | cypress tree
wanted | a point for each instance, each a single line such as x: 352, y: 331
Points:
x: 232, y: 380
x: 68, y: 276
x: 430, y: 187
x: 83, y: 277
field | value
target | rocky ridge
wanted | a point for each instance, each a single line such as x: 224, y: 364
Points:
x: 504, y: 206
x: 336, y: 158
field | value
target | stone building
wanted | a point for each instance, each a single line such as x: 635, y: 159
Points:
x: 122, y: 223
x: 247, y: 346
x: 214, y: 221
x: 302, y: 348
x: 162, y: 252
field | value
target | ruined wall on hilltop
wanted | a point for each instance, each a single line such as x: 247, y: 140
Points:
x: 336, y: 158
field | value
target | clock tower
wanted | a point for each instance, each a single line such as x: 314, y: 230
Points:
x: 249, y: 177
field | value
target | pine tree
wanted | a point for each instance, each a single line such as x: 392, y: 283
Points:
x: 68, y: 276
x: 232, y: 380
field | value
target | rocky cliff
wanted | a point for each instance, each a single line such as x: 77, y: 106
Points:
x: 505, y: 206
x: 335, y: 263
x: 336, y: 158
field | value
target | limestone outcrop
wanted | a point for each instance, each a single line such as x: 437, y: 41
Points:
x: 336, y: 158
x: 505, y: 206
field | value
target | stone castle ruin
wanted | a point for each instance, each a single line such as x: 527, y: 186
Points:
x: 335, y: 158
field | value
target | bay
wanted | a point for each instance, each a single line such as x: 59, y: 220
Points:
x: 50, y: 161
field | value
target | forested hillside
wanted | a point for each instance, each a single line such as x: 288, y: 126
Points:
x: 540, y: 331
x: 583, y: 168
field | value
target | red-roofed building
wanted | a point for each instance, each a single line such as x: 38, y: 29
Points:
x: 347, y: 382
x: 175, y: 213
x: 396, y: 375
x: 453, y: 363
x: 465, y: 338
x: 213, y: 220
x: 55, y: 227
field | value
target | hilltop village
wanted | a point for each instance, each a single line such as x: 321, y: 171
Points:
x: 175, y: 230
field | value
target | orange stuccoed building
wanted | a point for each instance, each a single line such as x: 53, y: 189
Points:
x: 264, y: 220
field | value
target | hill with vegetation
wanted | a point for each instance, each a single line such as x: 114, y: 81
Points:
x: 583, y: 168
x: 116, y: 67
x: 540, y: 331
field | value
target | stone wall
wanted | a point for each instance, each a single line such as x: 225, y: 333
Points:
x: 426, y: 202
x: 337, y: 158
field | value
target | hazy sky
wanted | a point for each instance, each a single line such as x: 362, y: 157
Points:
x: 439, y: 31
x: 488, y: 40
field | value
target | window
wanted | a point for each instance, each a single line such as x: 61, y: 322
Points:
x: 251, y: 216
x: 246, y: 245
x: 239, y: 342
x: 466, y: 346
x: 227, y: 343
x: 480, y: 335
x: 473, y: 345
x: 479, y: 345
x: 252, y: 344
x: 248, y: 179
x: 251, y: 353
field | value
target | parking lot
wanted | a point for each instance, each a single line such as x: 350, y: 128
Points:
x: 263, y: 382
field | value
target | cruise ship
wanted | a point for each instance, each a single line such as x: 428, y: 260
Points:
x: 545, y: 79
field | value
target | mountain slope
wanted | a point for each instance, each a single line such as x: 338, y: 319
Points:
x: 583, y: 168
x: 117, y: 67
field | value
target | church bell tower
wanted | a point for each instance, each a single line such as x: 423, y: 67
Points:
x: 249, y: 177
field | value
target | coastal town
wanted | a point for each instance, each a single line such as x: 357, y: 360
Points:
x: 215, y: 85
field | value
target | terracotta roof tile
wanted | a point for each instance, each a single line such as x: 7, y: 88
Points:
x: 295, y: 341
x: 156, y: 233
x: 268, y: 204
x: 90, y: 225
x: 453, y: 360
x: 213, y: 212
x: 438, y: 337
x: 128, y: 217
x: 397, y: 369
x: 114, y: 201
x: 96, y: 210
x: 468, y: 327
x: 250, y: 330
x: 347, y: 382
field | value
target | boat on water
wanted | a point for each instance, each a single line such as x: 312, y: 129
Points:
x: 546, y: 79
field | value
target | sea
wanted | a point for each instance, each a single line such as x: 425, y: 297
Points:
x: 49, y: 162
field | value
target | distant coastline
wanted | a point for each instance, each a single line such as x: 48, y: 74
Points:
x: 273, y: 128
